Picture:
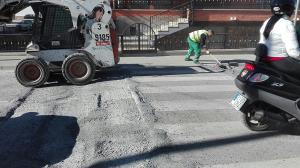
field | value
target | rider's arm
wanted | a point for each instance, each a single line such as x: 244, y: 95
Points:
x: 262, y: 39
x: 289, y: 38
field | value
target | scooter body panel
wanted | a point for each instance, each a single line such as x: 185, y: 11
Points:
x: 274, y: 91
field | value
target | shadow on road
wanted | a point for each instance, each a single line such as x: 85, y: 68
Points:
x: 240, y: 61
x: 131, y: 70
x: 34, y: 141
x: 141, y: 70
x: 183, y: 148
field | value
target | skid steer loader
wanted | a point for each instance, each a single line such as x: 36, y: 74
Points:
x: 62, y: 41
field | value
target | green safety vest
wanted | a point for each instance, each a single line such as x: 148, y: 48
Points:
x: 196, y: 35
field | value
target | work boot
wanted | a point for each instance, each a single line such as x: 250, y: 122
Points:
x: 196, y: 61
x: 187, y: 59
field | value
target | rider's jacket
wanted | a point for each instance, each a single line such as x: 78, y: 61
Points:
x: 282, y: 41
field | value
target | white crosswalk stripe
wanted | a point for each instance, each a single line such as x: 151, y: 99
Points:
x: 195, y: 113
x: 177, y: 94
x: 188, y: 89
x: 189, y: 78
x: 185, y: 105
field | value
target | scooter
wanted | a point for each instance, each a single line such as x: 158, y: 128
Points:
x: 266, y: 96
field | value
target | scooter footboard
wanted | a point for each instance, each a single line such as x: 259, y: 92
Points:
x: 287, y: 105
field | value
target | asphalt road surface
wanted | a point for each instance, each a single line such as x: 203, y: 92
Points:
x: 148, y: 112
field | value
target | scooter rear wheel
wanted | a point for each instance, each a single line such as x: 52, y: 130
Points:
x: 252, y: 123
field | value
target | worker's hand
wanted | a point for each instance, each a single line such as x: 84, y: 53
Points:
x: 207, y: 52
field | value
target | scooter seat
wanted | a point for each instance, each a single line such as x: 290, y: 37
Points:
x: 283, y: 76
x: 292, y: 79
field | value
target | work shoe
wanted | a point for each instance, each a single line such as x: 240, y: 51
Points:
x: 196, y: 61
x: 188, y: 59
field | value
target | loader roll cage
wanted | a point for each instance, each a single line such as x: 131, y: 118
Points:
x: 53, y: 28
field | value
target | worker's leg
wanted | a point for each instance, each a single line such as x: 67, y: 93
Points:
x: 190, y: 51
x: 197, y: 50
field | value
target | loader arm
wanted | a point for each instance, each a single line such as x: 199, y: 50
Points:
x: 10, y: 7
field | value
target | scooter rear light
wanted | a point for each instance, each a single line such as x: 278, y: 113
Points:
x: 249, y: 67
x: 258, y: 77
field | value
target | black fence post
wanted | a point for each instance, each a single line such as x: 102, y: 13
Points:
x: 155, y: 43
x: 122, y: 44
x: 139, y: 37
x: 192, y: 12
x: 151, y: 22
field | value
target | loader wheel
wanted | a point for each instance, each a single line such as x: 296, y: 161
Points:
x: 32, y: 72
x: 78, y: 69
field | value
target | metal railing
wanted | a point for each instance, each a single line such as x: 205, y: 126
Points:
x: 146, y: 4
x: 14, y: 42
x: 169, y: 18
x: 138, y: 38
x: 128, y: 45
x: 232, y: 4
x: 219, y: 41
x: 137, y: 44
x: 199, y: 4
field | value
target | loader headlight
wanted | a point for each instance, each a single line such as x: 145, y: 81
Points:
x: 32, y: 47
x: 258, y: 77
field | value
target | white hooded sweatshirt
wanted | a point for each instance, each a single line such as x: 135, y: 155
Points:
x: 282, y: 41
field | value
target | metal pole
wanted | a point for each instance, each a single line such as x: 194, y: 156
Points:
x: 139, y: 37
x: 155, y: 43
x: 122, y: 43
x: 296, y: 13
x: 192, y: 12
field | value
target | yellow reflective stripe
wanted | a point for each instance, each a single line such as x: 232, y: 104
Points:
x: 192, y: 36
x: 196, y: 35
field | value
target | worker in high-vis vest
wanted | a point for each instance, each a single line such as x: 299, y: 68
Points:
x: 196, y: 41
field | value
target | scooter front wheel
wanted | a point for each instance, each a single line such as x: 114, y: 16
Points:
x: 253, y: 123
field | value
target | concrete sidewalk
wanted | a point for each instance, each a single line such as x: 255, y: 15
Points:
x: 9, y: 60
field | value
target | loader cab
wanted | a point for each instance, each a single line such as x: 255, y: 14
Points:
x: 53, y: 28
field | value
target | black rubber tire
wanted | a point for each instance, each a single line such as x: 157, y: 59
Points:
x: 259, y: 126
x: 78, y: 61
x: 32, y: 72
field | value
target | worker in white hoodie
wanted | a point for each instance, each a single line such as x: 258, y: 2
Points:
x: 279, y: 36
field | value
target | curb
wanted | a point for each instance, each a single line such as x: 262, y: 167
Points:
x: 7, y: 67
x: 12, y: 54
x: 183, y: 52
x: 214, y: 51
